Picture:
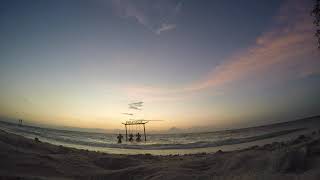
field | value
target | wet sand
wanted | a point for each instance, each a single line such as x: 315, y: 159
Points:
x: 22, y: 158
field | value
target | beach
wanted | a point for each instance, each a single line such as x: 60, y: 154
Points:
x: 23, y: 158
x: 160, y: 90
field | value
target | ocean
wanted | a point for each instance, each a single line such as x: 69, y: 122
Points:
x: 163, y: 144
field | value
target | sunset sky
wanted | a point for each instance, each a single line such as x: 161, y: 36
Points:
x: 193, y: 64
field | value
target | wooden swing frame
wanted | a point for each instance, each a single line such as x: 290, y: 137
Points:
x: 135, y: 123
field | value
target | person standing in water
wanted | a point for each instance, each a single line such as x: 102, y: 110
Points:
x: 138, y: 137
x: 120, y: 138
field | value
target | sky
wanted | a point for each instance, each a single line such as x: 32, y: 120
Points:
x: 193, y: 64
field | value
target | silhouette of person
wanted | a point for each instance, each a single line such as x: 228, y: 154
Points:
x: 131, y: 137
x: 119, y: 138
x: 138, y: 137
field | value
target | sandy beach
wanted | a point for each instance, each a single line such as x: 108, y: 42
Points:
x: 160, y: 90
x: 23, y: 158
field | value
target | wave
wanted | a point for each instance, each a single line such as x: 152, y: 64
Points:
x: 199, y: 144
x: 156, y: 141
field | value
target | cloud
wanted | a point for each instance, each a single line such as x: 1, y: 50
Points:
x: 136, y: 105
x: 165, y: 27
x: 128, y: 9
x: 289, y: 47
x: 134, y: 108
x: 157, y: 16
x: 129, y: 114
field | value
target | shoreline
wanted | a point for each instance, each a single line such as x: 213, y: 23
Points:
x: 30, y: 159
x: 208, y: 145
x: 285, y: 135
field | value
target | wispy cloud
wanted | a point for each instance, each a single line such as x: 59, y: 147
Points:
x: 157, y: 16
x: 165, y: 27
x: 129, y: 114
x: 289, y: 46
x: 136, y: 105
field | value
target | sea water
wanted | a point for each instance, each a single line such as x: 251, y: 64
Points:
x: 162, y: 144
